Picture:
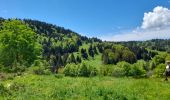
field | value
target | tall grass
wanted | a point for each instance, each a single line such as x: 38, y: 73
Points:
x: 49, y: 87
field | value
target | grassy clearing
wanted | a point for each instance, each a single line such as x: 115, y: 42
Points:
x: 33, y: 87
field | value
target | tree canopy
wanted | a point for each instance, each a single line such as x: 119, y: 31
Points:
x: 18, y: 43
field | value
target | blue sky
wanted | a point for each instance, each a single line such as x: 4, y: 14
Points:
x: 93, y: 18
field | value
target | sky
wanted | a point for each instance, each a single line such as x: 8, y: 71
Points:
x: 111, y: 20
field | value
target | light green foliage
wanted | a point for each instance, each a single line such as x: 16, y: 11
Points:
x: 158, y: 59
x: 17, y: 44
x: 137, y: 70
x: 71, y: 70
x: 80, y: 70
x: 122, y: 69
x: 167, y: 57
x: 159, y: 70
x: 106, y: 70
x: 40, y: 67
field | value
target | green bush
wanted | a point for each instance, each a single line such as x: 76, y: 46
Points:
x: 158, y: 59
x: 118, y: 71
x: 137, y: 71
x: 80, y: 70
x: 16, y: 86
x: 3, y: 90
x: 159, y: 70
x: 93, y: 71
x: 84, y: 70
x: 71, y: 70
x: 106, y: 71
x: 40, y: 67
x: 125, y: 67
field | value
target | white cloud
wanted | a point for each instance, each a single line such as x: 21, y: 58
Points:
x: 160, y: 17
x: 155, y: 25
x: 140, y: 35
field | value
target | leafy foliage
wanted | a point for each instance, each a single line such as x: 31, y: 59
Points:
x: 17, y: 44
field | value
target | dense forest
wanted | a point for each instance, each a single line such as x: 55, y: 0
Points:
x: 39, y: 48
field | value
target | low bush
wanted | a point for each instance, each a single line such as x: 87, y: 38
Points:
x: 137, y: 71
x: 3, y: 90
x: 80, y: 70
x: 159, y: 70
x: 16, y: 86
x: 40, y: 67
x: 122, y: 68
x: 71, y: 70
x: 106, y: 71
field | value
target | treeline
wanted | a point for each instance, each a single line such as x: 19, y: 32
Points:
x: 154, y: 44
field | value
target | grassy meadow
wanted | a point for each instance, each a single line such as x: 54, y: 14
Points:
x: 57, y: 87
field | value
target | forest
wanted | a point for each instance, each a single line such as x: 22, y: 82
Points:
x: 39, y: 60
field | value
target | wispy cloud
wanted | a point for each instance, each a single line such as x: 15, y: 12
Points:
x: 156, y: 24
x: 137, y: 35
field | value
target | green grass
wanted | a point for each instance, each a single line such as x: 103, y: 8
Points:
x: 34, y: 87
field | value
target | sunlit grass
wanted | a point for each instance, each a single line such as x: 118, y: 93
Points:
x: 95, y: 88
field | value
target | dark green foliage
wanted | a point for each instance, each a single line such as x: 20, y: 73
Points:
x: 72, y: 58
x: 78, y: 59
x: 95, y: 49
x: 128, y: 56
x: 84, y: 53
x: 64, y: 59
x: 116, y: 54
x: 154, y: 44
x: 3, y: 90
x: 100, y: 48
x: 90, y: 51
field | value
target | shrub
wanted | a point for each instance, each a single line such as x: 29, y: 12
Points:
x: 159, y: 70
x: 158, y: 59
x: 40, y: 67
x: 71, y: 70
x: 80, y: 70
x: 106, y: 70
x: 93, y: 71
x: 84, y: 70
x: 118, y: 71
x: 125, y: 66
x: 3, y: 90
x: 137, y: 71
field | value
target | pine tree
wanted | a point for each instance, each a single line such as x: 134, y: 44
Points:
x: 78, y: 59
x: 72, y: 58
x: 91, y: 52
